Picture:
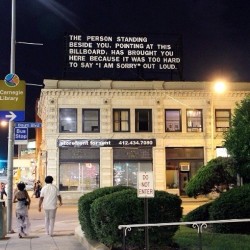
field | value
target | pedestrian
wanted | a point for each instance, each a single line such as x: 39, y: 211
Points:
x: 3, y: 190
x: 37, y: 189
x: 23, y: 204
x: 48, y: 197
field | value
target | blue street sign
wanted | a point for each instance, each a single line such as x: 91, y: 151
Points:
x: 21, y: 135
x: 28, y: 124
x: 12, y: 115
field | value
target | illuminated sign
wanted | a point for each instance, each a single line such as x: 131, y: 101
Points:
x: 82, y: 143
x: 12, y: 98
x: 137, y: 54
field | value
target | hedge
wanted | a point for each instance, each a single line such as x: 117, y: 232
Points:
x: 84, y: 205
x: 233, y: 204
x: 122, y: 208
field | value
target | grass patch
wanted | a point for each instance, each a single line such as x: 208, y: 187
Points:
x: 188, y: 238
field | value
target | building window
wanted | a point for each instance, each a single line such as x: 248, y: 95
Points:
x: 143, y: 120
x: 173, y: 120
x: 194, y: 120
x: 91, y: 120
x: 67, y: 120
x: 222, y: 119
x: 125, y: 172
x: 79, y: 176
x: 121, y: 120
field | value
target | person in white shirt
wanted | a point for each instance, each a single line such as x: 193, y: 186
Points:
x: 48, y: 197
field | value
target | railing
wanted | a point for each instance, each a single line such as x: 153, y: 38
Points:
x: 195, y: 224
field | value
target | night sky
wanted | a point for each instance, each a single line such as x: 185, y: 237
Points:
x: 215, y: 36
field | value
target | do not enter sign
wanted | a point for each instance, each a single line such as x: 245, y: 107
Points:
x: 145, y: 185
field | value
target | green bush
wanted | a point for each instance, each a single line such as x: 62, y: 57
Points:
x: 84, y: 204
x: 200, y: 213
x: 234, y: 204
x: 124, y: 208
x: 168, y: 207
x: 218, y: 171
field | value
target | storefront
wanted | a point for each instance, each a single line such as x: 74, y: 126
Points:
x: 129, y: 161
x: 79, y: 169
x: 181, y: 164
x: 80, y: 162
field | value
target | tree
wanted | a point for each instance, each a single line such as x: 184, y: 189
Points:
x: 216, y: 175
x: 237, y: 138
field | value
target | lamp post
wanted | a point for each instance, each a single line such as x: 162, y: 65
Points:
x: 11, y: 124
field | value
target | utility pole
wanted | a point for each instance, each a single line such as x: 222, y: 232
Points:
x: 11, y: 124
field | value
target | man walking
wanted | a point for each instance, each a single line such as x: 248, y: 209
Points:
x: 48, y: 197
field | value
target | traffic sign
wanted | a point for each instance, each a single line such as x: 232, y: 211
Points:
x: 12, y: 98
x: 145, y: 185
x: 21, y: 135
x: 12, y: 115
x: 28, y: 124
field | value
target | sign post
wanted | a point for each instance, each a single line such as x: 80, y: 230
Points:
x: 145, y: 189
x: 12, y: 79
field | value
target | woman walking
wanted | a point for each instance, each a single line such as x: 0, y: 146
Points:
x: 23, y: 204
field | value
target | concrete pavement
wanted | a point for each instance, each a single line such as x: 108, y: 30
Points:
x: 64, y: 231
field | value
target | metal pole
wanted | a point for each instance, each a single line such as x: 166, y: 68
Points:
x: 212, y: 126
x: 11, y: 124
x: 146, y: 222
x: 124, y: 238
x: 200, y: 240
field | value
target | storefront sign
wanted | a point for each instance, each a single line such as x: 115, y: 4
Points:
x: 145, y: 185
x: 82, y: 143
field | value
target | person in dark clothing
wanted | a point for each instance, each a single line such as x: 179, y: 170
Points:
x: 3, y: 191
x: 37, y: 189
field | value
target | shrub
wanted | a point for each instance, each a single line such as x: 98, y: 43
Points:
x: 234, y: 204
x: 168, y: 209
x: 218, y: 171
x: 84, y: 204
x: 124, y: 208
x: 200, y: 213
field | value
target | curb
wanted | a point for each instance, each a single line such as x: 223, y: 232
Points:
x: 90, y: 245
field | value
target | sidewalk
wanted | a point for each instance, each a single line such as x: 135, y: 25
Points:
x: 64, y: 232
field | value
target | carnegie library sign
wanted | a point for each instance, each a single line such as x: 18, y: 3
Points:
x: 112, y: 53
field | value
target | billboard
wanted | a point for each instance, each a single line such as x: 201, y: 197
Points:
x: 117, y: 57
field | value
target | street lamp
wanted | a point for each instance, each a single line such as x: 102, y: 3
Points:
x: 4, y: 123
x: 219, y: 86
x: 11, y: 123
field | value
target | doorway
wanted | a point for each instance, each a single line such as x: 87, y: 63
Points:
x: 183, y: 180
